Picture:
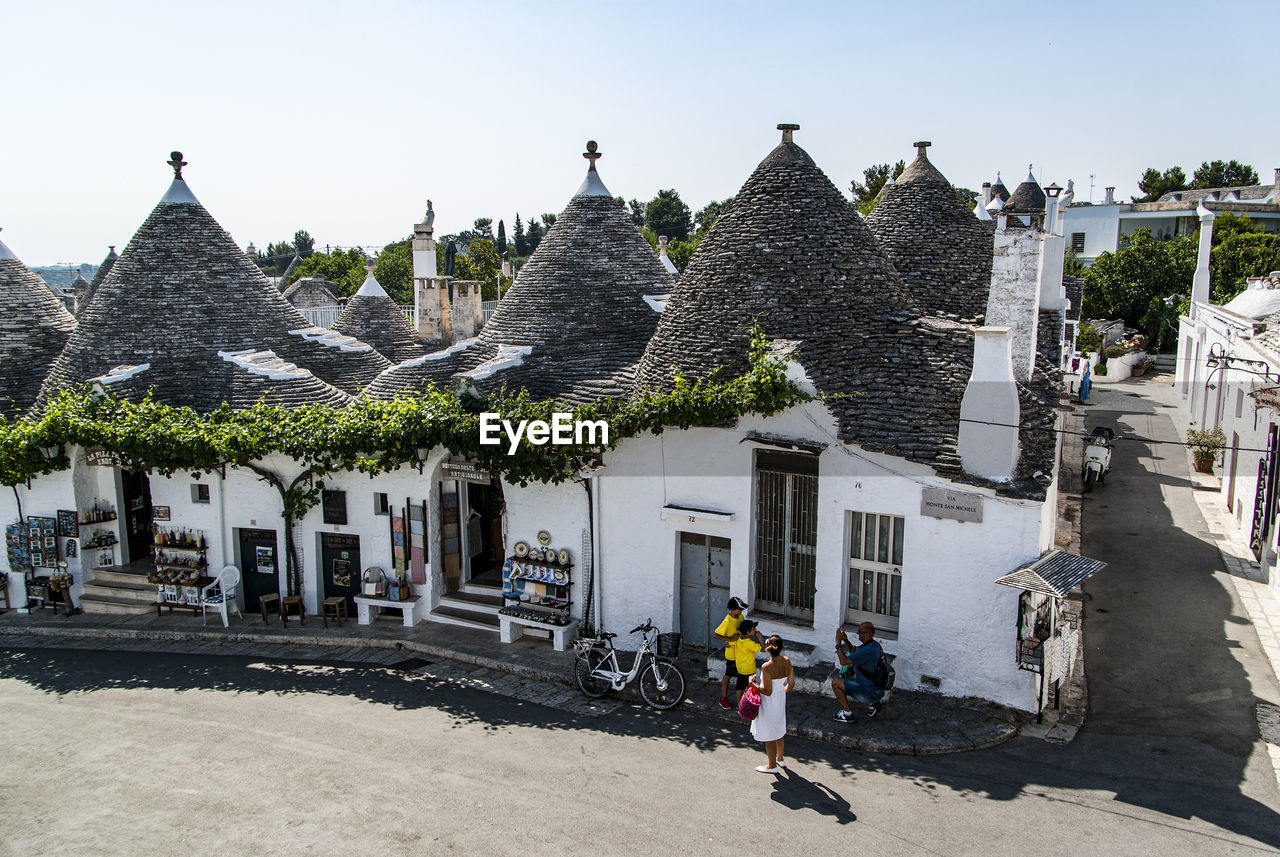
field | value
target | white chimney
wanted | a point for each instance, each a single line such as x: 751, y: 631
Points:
x: 1275, y: 191
x: 986, y: 190
x: 1200, y: 284
x: 989, y: 412
x: 1110, y: 197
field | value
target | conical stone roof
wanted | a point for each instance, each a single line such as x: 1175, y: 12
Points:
x: 1027, y: 197
x: 34, y: 327
x: 98, y: 276
x: 999, y: 191
x: 184, y: 302
x: 940, y: 250
x: 575, y: 322
x: 792, y: 255
x: 371, y: 316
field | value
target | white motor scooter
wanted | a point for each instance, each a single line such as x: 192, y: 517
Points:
x: 1097, y: 457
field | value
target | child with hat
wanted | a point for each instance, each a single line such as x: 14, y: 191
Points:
x: 728, y: 632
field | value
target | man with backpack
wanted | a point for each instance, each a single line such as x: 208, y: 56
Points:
x: 862, y: 676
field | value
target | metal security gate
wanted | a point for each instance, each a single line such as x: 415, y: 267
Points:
x: 786, y: 534
x: 704, y: 586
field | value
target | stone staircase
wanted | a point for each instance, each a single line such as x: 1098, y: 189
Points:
x: 471, y: 606
x: 117, y: 589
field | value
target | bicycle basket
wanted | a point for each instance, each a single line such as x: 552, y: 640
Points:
x: 669, y: 645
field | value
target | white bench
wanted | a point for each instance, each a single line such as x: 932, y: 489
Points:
x: 409, y: 609
x: 512, y: 628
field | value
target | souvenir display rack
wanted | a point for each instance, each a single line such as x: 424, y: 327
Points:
x: 181, y: 560
x: 537, y: 589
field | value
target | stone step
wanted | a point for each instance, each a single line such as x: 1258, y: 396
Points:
x: 141, y: 593
x: 465, y: 618
x: 472, y: 603
x: 93, y: 603
x: 120, y: 574
x: 479, y: 589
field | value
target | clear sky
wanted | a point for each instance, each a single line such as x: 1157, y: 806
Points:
x: 344, y: 118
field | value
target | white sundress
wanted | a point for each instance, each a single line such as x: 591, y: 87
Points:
x: 771, y: 723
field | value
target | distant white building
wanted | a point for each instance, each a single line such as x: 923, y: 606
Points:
x: 1095, y: 229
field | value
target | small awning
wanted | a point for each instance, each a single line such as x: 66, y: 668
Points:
x: 1056, y: 573
x: 789, y: 444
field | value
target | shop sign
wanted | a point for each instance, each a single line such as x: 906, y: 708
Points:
x: 96, y: 456
x: 159, y: 513
x: 1266, y: 397
x: 464, y: 471
x: 1264, y: 499
x: 942, y: 503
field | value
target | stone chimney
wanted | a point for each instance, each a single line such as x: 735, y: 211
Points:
x: 1200, y: 284
x: 434, y: 322
x: 989, y: 412
x: 466, y: 310
x: 986, y: 193
x: 1275, y: 200
x: 1110, y: 197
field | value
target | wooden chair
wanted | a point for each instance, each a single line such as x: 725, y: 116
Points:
x: 335, y: 606
x: 292, y: 604
x: 269, y: 603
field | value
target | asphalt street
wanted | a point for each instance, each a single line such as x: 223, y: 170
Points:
x: 218, y: 748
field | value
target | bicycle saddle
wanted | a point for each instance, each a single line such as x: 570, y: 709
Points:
x: 606, y: 635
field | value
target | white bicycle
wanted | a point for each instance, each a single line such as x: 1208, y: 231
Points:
x: 597, y: 671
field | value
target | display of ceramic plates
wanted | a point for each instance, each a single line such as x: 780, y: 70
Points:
x: 564, y: 556
x: 549, y: 555
x: 544, y: 538
x: 535, y: 554
x: 560, y: 576
x: 522, y: 548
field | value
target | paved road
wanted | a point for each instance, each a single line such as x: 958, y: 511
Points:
x: 207, y: 750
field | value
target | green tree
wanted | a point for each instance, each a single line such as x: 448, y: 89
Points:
x: 1155, y: 184
x: 548, y: 219
x: 1223, y: 174
x: 534, y: 236
x: 709, y: 214
x: 637, y: 212
x: 345, y: 268
x: 394, y: 270
x: 1240, y: 250
x: 1133, y: 282
x: 482, y: 263
x: 518, y: 239
x: 667, y: 214
x: 303, y: 244
x: 501, y: 243
x: 969, y: 198
x: 483, y: 227
x: 679, y: 252
x: 875, y: 177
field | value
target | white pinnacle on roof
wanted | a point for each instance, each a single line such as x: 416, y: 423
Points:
x: 178, y: 192
x: 371, y: 288
x: 6, y: 253
x: 663, y: 257
x: 591, y: 185
x: 995, y: 205
x: 1030, y: 176
x: 980, y: 210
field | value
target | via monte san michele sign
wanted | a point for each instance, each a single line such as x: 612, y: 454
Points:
x: 942, y: 503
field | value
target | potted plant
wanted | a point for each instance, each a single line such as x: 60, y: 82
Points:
x: 1205, y: 446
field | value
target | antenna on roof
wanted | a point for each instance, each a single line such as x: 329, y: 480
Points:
x: 591, y: 154
x: 922, y: 147
x: 175, y: 161
x: 787, y: 130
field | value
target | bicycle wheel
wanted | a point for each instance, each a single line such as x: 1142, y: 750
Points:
x: 584, y: 670
x: 668, y: 675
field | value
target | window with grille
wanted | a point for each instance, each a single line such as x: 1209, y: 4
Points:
x: 786, y: 534
x: 875, y: 568
x: 1077, y: 242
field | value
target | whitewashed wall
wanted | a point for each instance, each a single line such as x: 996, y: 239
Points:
x: 955, y: 623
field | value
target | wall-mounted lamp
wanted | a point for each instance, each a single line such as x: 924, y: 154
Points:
x: 50, y: 451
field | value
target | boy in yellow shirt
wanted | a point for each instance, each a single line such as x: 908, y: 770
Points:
x: 746, y: 648
x: 728, y: 632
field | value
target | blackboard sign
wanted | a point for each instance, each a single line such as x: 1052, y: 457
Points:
x: 335, y: 507
x: 68, y: 523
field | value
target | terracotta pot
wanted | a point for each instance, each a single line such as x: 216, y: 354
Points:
x: 1204, y: 465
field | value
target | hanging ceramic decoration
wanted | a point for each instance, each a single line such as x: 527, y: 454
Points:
x: 522, y: 548
x: 564, y: 556
x: 544, y: 538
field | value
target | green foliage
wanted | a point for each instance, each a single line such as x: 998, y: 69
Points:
x: 483, y: 227
x: 369, y: 436
x: 518, y: 240
x: 303, y: 244
x: 1115, y: 351
x: 1223, y: 174
x: 1133, y: 282
x: 501, y: 243
x: 346, y: 268
x: 968, y: 198
x: 1155, y: 184
x: 482, y: 263
x: 393, y: 270
x: 875, y: 177
x: 709, y: 214
x: 667, y: 214
x: 533, y: 237
x: 1088, y: 339
x: 679, y: 252
x: 636, y: 207
x: 1206, y: 444
x: 1238, y: 257
x: 1071, y: 264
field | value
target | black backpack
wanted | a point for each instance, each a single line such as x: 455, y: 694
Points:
x: 884, y: 676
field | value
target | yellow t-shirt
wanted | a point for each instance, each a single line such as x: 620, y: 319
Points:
x: 728, y: 628
x: 745, y: 655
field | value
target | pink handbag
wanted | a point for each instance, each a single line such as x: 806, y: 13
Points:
x: 749, y: 705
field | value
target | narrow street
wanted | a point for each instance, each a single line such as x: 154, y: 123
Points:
x: 135, y: 748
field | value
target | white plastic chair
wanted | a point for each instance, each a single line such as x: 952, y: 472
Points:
x: 221, y: 595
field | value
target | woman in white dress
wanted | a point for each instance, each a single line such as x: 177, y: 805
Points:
x: 775, y: 680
